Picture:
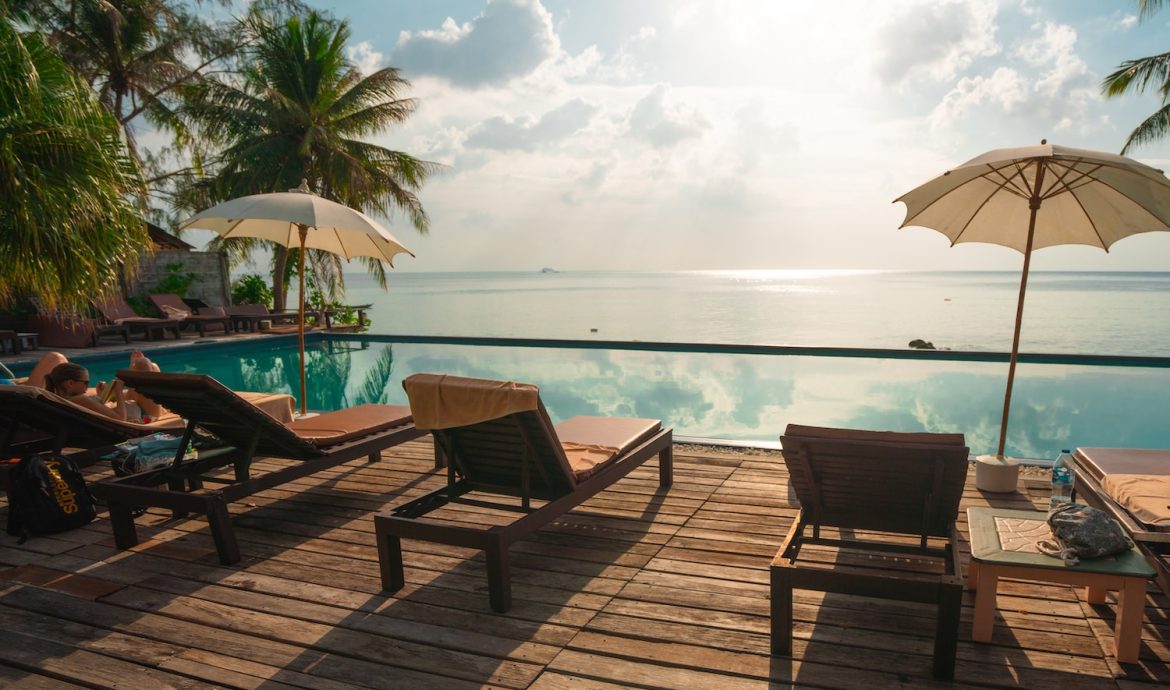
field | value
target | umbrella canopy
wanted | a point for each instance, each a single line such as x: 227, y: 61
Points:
x: 1033, y: 197
x: 279, y: 216
x: 299, y: 218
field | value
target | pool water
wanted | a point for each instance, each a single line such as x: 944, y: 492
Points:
x: 725, y: 396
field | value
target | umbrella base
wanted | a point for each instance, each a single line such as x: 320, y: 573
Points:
x: 996, y: 473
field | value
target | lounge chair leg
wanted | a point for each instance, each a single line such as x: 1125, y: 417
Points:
x: 176, y: 484
x: 781, y: 592
x: 219, y: 520
x: 946, y: 634
x: 666, y: 466
x: 390, y: 561
x: 499, y: 579
x: 122, y: 523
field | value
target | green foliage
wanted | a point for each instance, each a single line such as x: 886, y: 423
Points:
x: 252, y: 289
x: 68, y: 229
x: 175, y: 281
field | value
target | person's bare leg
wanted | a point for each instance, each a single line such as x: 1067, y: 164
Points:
x: 47, y: 363
x: 140, y: 362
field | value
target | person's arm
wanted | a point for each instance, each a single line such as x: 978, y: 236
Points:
x: 94, y: 403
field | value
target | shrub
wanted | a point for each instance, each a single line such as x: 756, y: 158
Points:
x: 252, y: 289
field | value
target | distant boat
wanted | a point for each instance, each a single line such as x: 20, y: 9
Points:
x: 546, y: 269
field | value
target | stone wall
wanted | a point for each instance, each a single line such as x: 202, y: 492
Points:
x: 211, y: 284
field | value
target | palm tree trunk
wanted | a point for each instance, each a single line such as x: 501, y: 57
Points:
x: 279, y: 286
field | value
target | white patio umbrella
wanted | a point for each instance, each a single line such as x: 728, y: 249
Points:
x: 1033, y: 197
x: 300, y: 218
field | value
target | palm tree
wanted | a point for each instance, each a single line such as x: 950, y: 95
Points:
x: 67, y: 225
x: 1136, y: 76
x: 298, y: 112
x: 135, y: 54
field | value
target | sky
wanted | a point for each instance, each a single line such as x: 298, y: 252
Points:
x: 738, y: 134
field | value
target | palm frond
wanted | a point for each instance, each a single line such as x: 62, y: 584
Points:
x: 1138, y: 75
x: 1152, y: 129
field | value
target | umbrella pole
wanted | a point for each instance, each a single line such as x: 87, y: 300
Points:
x: 304, y: 230
x: 1007, y: 396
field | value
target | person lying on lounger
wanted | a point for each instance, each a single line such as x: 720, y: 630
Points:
x: 58, y: 375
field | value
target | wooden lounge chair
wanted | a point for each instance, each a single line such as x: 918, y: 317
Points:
x: 172, y: 306
x: 1132, y: 485
x: 33, y: 420
x: 499, y: 442
x: 117, y: 312
x: 248, y: 316
x: 890, y: 501
x: 317, y: 443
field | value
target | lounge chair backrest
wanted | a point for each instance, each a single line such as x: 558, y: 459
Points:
x: 37, y: 408
x: 115, y: 309
x: 216, y: 408
x: 516, y: 454
x: 879, y: 480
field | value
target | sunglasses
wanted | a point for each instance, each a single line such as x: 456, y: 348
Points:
x: 85, y: 381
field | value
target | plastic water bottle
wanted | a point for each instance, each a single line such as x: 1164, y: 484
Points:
x: 1062, y: 480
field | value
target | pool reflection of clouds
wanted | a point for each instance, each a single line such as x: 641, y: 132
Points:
x: 754, y: 397
x: 749, y: 397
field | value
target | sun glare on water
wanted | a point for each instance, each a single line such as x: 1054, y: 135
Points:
x: 790, y: 274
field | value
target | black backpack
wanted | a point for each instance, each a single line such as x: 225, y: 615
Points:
x: 47, y: 494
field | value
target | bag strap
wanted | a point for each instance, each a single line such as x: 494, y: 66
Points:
x: 1057, y: 549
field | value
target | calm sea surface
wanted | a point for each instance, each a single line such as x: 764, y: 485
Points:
x: 1086, y: 313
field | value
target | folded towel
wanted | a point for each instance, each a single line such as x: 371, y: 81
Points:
x: 438, y: 401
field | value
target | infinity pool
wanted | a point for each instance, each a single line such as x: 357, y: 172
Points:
x: 722, y: 395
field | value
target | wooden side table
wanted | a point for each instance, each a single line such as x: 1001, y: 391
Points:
x: 999, y: 541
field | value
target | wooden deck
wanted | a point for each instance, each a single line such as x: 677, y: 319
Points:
x: 634, y: 589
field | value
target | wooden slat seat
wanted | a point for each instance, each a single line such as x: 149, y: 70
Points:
x: 882, y: 508
x: 33, y: 420
x: 319, y: 442
x: 498, y: 440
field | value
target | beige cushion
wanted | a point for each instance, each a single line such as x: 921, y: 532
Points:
x: 443, y: 402
x: 591, y: 443
x: 1146, y: 497
x: 332, y: 428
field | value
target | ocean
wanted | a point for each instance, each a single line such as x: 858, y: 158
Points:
x: 1107, y: 313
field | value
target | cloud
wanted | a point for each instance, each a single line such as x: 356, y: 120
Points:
x: 509, y: 39
x: 1005, y: 88
x: 504, y: 133
x: 662, y: 125
x: 1056, y: 50
x: 936, y: 39
x: 1058, y: 90
x: 365, y: 57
